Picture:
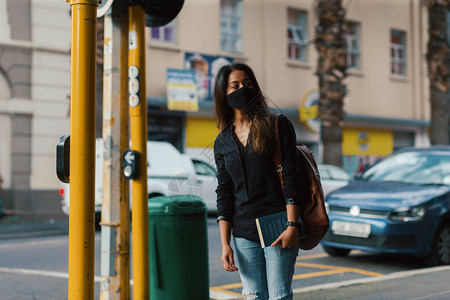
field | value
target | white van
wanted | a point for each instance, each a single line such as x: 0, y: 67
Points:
x: 169, y: 173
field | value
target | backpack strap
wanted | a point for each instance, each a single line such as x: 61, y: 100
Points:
x: 277, y: 153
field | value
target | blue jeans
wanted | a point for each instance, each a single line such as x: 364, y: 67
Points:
x: 265, y: 273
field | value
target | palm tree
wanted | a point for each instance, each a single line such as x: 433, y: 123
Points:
x: 331, y: 70
x: 438, y: 59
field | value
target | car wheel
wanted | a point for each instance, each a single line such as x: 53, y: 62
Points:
x: 440, y: 252
x: 333, y: 251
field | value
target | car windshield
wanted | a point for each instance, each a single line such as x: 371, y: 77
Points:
x: 202, y: 168
x: 412, y: 167
x: 328, y: 172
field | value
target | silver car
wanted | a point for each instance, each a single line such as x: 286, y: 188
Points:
x: 332, y: 177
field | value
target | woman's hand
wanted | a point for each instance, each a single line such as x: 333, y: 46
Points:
x: 227, y: 259
x: 288, y: 238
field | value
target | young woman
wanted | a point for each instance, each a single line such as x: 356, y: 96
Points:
x: 249, y: 186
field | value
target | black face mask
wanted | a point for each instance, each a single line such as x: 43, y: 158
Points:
x: 242, y: 97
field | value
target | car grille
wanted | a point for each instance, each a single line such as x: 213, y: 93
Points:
x: 364, y: 213
x: 374, y: 240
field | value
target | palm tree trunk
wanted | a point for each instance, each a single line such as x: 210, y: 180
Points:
x: 438, y: 59
x: 331, y: 70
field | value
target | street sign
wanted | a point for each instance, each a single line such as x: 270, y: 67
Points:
x: 129, y: 156
x: 133, y: 71
x: 104, y: 7
x: 129, y: 164
x: 133, y: 85
x: 161, y: 12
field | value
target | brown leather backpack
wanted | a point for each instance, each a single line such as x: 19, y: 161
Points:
x: 312, y: 207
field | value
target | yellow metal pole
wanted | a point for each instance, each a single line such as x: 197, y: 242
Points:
x: 82, y: 150
x: 138, y: 133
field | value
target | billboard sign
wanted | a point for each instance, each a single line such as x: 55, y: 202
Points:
x: 205, y: 68
x: 182, y: 90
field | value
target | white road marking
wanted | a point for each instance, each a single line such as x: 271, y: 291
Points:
x: 33, y: 244
x: 41, y: 273
x: 213, y: 294
x: 39, y: 243
x: 395, y: 275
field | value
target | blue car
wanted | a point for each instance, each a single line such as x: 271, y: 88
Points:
x: 399, y: 205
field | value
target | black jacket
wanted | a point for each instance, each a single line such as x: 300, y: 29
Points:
x: 252, y: 189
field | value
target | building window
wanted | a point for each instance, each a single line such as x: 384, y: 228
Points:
x: 231, y: 25
x: 448, y: 26
x: 352, y: 38
x: 297, y: 35
x: 166, y: 34
x: 398, y: 52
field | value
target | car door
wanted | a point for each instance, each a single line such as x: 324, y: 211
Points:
x: 206, y: 177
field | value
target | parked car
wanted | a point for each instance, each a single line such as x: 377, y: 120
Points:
x: 206, y: 175
x: 332, y: 177
x: 399, y: 205
x: 169, y: 173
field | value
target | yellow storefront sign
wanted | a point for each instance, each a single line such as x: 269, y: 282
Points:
x: 308, y: 113
x: 357, y: 141
x: 309, y: 110
x: 200, y: 132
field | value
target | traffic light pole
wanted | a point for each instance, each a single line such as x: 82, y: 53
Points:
x: 138, y: 133
x: 82, y: 150
x: 115, y: 246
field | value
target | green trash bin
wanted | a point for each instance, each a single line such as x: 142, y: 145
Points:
x: 178, y: 248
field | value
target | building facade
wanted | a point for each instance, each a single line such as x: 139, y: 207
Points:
x: 34, y: 102
x: 387, y: 105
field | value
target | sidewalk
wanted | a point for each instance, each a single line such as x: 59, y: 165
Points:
x: 11, y: 228
x: 429, y: 283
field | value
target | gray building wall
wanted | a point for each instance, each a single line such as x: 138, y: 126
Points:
x: 20, y: 19
x: 34, y: 103
x: 15, y: 64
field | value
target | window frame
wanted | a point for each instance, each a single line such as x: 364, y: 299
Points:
x: 396, y: 60
x: 350, y: 39
x: 296, y: 41
x: 233, y: 39
x: 174, y: 25
x: 448, y: 26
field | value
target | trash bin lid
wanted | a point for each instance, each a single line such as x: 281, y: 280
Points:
x: 174, y: 205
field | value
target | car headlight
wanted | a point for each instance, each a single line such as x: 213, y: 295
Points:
x: 406, y: 214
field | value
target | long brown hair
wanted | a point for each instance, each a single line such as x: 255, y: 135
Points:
x: 261, y: 135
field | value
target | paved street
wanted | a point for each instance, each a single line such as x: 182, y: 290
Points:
x: 420, y: 284
x: 36, y: 268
